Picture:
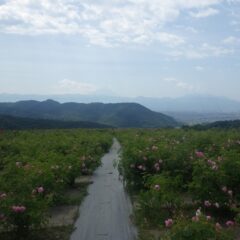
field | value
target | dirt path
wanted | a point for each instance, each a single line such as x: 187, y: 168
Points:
x: 105, y: 213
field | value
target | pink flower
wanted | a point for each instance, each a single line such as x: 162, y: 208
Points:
x: 210, y: 162
x: 207, y: 203
x: 168, y: 222
x: 224, y: 189
x: 40, y: 189
x: 230, y: 223
x: 199, y: 154
x: 18, y: 209
x: 157, y: 187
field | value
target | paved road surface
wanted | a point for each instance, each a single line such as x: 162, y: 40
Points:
x: 104, y: 214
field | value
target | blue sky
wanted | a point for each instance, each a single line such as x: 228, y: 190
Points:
x: 157, y: 48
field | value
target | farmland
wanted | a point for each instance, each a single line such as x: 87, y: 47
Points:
x: 185, y: 183
x: 36, y: 168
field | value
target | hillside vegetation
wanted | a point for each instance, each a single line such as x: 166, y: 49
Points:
x: 18, y: 123
x: 125, y: 115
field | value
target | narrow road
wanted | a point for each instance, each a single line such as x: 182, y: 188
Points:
x: 105, y: 212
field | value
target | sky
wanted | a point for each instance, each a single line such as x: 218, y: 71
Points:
x: 152, y: 48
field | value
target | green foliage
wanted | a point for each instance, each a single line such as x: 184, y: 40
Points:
x: 160, y: 201
x: 20, y: 123
x: 37, y: 167
x: 202, y: 229
x: 192, y: 169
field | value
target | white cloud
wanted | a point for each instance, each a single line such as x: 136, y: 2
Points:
x: 179, y: 84
x: 204, y: 51
x: 204, y: 13
x: 68, y: 86
x: 199, y: 68
x: 101, y: 22
x: 231, y: 40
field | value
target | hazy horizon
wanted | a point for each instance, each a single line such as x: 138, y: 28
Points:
x: 127, y: 48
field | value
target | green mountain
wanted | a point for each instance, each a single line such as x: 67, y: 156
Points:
x: 19, y: 123
x: 125, y: 115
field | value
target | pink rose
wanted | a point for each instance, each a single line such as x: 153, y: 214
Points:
x: 207, y: 203
x: 168, y: 222
x: 229, y: 223
x: 199, y: 154
x: 18, y: 209
x: 40, y: 189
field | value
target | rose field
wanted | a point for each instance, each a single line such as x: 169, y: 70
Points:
x: 36, y: 168
x: 185, y: 184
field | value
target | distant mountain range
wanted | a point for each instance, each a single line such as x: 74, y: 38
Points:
x: 190, y: 103
x: 19, y: 123
x: 235, y: 124
x: 124, y: 115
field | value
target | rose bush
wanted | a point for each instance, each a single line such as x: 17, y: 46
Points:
x: 37, y: 167
x: 184, y: 170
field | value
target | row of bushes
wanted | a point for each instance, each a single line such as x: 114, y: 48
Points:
x: 37, y: 166
x: 176, y: 174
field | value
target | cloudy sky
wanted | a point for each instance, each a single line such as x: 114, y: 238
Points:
x: 129, y: 48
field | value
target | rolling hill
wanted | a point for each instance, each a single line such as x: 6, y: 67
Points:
x: 197, y: 103
x: 125, y: 115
